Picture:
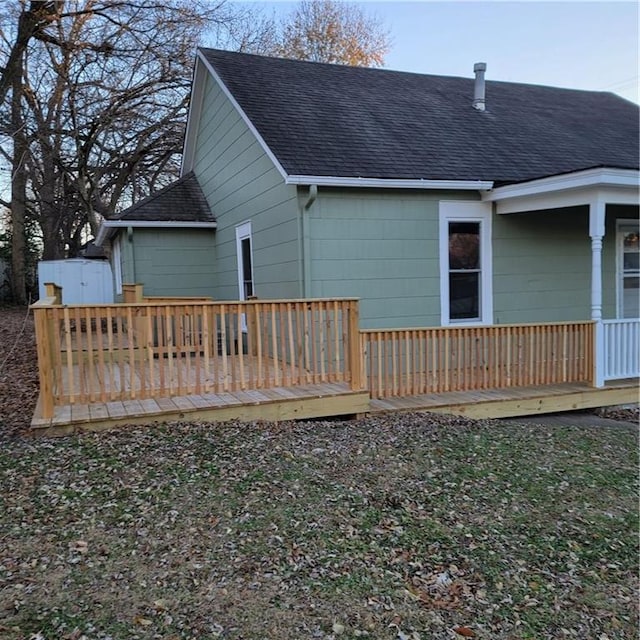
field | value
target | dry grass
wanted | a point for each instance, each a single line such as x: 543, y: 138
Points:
x: 408, y: 526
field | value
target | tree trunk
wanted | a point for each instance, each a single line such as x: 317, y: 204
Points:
x: 18, y: 194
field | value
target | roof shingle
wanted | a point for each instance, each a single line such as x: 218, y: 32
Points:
x: 180, y: 201
x: 332, y: 120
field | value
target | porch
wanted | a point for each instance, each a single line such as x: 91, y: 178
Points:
x: 149, y: 360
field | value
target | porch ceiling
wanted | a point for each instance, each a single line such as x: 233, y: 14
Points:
x: 608, y: 185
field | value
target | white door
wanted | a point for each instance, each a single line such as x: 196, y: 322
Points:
x: 245, y: 261
x: 628, y: 269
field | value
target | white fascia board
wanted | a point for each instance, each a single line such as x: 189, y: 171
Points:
x: 195, y: 110
x: 389, y: 183
x: 105, y: 228
x: 569, y: 198
x: 242, y: 114
x: 160, y: 224
x: 602, y: 177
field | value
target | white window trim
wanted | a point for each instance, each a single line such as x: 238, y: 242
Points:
x: 465, y: 211
x: 621, y: 223
x: 243, y: 231
x: 116, y: 256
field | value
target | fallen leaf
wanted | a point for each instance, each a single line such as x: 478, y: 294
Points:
x: 338, y: 628
x: 466, y: 632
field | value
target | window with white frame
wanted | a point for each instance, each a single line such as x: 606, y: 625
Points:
x: 116, y: 259
x: 628, y: 250
x: 465, y: 263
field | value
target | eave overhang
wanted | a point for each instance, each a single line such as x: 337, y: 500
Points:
x: 613, y: 186
x: 388, y: 183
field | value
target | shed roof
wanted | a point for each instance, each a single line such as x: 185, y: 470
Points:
x: 332, y: 120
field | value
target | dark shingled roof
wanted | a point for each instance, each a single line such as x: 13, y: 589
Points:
x: 332, y: 120
x: 181, y: 201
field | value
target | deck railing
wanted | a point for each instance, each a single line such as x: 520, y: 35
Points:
x: 158, y: 349
x: 435, y: 360
x: 621, y: 349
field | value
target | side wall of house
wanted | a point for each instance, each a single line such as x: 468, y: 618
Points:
x: 542, y: 265
x: 242, y: 184
x: 170, y: 262
x: 380, y: 246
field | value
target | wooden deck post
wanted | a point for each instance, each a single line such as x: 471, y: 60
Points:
x: 52, y: 290
x: 355, y: 346
x: 45, y: 360
x: 598, y: 354
x: 132, y: 293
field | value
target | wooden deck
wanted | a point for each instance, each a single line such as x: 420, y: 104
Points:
x: 183, y: 359
x: 516, y: 401
x: 280, y: 403
x: 323, y: 400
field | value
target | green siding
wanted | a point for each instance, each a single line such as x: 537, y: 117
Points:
x: 127, y: 257
x: 171, y: 262
x: 383, y: 248
x: 242, y: 184
x: 380, y: 246
x: 542, y: 265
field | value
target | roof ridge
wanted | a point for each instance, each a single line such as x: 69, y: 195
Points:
x: 356, y: 69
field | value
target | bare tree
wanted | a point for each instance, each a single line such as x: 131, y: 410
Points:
x: 98, y: 96
x: 333, y: 31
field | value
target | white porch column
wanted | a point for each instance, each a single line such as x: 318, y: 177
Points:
x: 596, y: 231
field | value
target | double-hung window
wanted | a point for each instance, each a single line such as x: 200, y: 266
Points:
x: 628, y: 249
x: 465, y: 263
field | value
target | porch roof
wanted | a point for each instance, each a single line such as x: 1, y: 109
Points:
x: 605, y: 184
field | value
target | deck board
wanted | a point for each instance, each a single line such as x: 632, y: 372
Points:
x: 318, y: 400
x: 514, y: 401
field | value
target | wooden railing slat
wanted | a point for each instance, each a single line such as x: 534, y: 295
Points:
x: 440, y: 359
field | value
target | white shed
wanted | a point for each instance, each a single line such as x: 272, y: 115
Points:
x: 82, y: 281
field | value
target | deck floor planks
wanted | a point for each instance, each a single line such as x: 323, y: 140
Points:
x: 133, y: 408
x: 150, y: 405
x: 266, y: 402
x: 184, y: 403
x: 116, y: 376
x: 115, y: 409
x: 98, y: 411
x: 166, y: 405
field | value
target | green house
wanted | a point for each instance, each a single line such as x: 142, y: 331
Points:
x: 436, y: 200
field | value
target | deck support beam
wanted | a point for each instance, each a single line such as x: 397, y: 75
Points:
x: 596, y: 232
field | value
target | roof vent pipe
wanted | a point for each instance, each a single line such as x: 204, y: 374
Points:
x: 478, y: 93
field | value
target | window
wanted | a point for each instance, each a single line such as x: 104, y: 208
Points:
x: 116, y: 259
x: 628, y: 249
x: 464, y: 270
x: 245, y: 260
x: 465, y: 263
